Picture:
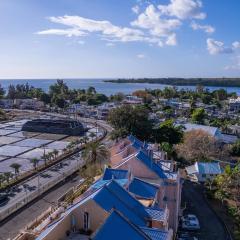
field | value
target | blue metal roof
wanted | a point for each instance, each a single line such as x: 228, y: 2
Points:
x: 209, y: 168
x: 136, y: 143
x: 112, y: 195
x: 142, y: 189
x: 114, y: 174
x: 156, y: 213
x: 100, y: 183
x: 151, y: 164
x: 155, y: 234
x: 118, y: 227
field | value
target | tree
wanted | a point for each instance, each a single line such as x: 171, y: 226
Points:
x: 168, y: 148
x: 2, y: 92
x: 131, y: 120
x: 55, y: 153
x: 198, y: 145
x: 91, y: 90
x: 8, y: 176
x: 16, y: 168
x: 96, y: 153
x: 198, y: 115
x: 45, y: 157
x: 220, y: 94
x: 34, y: 162
x: 118, y: 97
x: 235, y: 151
x: 168, y: 132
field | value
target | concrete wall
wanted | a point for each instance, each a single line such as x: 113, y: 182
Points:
x: 97, y: 216
x: 138, y: 169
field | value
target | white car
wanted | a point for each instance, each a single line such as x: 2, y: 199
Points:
x: 190, y: 222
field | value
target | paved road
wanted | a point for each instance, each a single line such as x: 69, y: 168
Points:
x: 211, y: 226
x: 11, y: 227
x: 51, y: 175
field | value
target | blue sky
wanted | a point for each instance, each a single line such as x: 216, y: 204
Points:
x: 119, y: 38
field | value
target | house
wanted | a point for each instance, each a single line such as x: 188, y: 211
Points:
x: 32, y: 104
x: 203, y: 171
x: 104, y: 109
x: 234, y: 104
x: 6, y: 103
x: 118, y: 227
x: 137, y: 157
x: 93, y: 212
x: 213, y: 131
x: 130, y: 99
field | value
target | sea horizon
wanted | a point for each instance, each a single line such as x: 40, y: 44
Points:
x: 106, y: 88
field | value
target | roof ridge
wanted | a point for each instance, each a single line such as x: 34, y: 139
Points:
x: 131, y: 224
x: 132, y: 209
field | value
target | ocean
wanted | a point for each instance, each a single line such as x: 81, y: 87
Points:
x: 101, y: 86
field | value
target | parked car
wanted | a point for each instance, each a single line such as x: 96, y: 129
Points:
x: 190, y: 222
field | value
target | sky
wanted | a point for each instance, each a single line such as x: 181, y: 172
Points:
x: 119, y: 38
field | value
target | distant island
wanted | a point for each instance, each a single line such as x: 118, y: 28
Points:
x: 215, y: 82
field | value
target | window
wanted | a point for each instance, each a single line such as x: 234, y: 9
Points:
x: 203, y: 175
x: 86, y: 221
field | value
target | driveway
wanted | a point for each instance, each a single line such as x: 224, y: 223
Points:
x: 211, y: 227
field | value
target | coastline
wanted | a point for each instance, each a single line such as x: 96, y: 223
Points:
x: 206, y: 82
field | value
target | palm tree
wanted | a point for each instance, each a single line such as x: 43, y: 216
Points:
x: 45, y: 157
x: 96, y: 152
x: 34, y: 162
x: 55, y: 153
x: 50, y: 155
x: 16, y: 168
x: 7, y: 176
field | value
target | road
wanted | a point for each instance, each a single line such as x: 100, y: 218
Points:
x: 211, y: 227
x: 12, y: 225
x: 34, y: 185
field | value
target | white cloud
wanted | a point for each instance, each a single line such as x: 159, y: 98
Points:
x: 79, y: 26
x: 157, y: 26
x: 141, y: 56
x: 63, y: 32
x: 216, y: 47
x: 236, y: 45
x: 183, y: 9
x: 136, y: 9
x: 205, y: 28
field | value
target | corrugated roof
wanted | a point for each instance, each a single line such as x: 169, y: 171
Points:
x: 155, y: 234
x: 115, y: 174
x: 136, y: 143
x: 142, y: 189
x: 100, y: 183
x: 156, y: 213
x: 118, y: 227
x: 154, y: 167
x: 112, y: 195
x: 209, y: 168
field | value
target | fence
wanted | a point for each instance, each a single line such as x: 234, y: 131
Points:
x: 30, y: 197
